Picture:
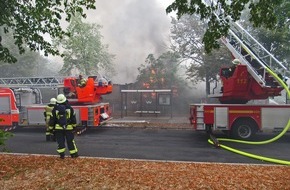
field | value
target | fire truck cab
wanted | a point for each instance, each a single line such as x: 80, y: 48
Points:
x: 239, y: 86
x: 9, y: 113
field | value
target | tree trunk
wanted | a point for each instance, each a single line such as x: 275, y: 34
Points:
x: 207, y: 87
x: 207, y: 84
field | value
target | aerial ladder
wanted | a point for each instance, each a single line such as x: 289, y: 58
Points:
x: 255, y: 78
x: 30, y: 84
x: 36, y: 82
x: 250, y: 79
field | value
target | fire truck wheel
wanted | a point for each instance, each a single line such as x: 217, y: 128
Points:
x: 244, y: 129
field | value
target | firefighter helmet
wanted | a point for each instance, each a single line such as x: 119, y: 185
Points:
x: 60, y: 98
x: 52, y: 101
x: 236, y: 61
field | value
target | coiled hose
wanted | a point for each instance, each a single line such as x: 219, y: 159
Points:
x: 273, y: 160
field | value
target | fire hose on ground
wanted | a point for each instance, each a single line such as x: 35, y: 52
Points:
x: 216, y: 141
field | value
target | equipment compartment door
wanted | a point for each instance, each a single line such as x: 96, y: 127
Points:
x: 221, y: 118
x: 275, y: 118
x: 35, y: 116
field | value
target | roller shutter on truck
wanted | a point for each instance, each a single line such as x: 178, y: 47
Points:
x: 221, y: 118
x: 274, y: 118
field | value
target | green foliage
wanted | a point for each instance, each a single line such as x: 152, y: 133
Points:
x: 4, y: 135
x: 277, y: 39
x: 209, y: 69
x: 29, y: 21
x: 186, y: 35
x: 160, y: 73
x: 29, y: 64
x: 83, y: 49
x: 219, y: 15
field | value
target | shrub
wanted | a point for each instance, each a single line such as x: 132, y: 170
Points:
x: 4, y: 135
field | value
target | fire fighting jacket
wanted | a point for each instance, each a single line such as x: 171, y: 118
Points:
x: 48, y: 112
x: 70, y: 116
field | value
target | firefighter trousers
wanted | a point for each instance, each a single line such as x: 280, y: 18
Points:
x: 49, y: 135
x: 68, y: 136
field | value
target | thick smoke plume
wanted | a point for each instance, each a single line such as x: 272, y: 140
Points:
x: 132, y: 29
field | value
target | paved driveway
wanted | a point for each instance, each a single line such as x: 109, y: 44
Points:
x: 149, y: 143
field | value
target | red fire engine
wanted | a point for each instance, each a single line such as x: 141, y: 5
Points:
x: 252, y: 79
x: 21, y: 100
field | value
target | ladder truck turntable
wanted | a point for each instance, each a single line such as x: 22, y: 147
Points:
x: 249, y: 81
x: 21, y: 100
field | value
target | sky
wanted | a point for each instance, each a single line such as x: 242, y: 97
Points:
x: 133, y: 29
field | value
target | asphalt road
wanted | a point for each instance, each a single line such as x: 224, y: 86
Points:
x: 149, y: 144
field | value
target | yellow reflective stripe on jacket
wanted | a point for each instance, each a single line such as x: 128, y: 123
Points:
x: 48, y: 113
x: 67, y: 113
x: 48, y: 110
x: 68, y: 127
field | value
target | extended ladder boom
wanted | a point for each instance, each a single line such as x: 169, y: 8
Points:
x: 37, y: 82
x: 252, y: 79
x: 251, y: 53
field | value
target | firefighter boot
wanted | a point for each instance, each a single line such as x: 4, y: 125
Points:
x: 74, y: 155
x: 61, y: 155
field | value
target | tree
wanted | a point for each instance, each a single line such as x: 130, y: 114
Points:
x: 165, y: 73
x: 84, y: 51
x: 277, y: 39
x: 186, y: 36
x: 29, y: 21
x: 219, y: 15
x: 28, y: 65
x: 209, y: 69
x: 160, y: 73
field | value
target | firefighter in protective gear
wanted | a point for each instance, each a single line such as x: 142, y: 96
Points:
x: 82, y: 81
x: 47, y: 115
x: 236, y: 61
x: 63, y: 123
x: 233, y: 68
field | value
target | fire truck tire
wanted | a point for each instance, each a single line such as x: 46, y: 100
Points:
x: 244, y: 129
